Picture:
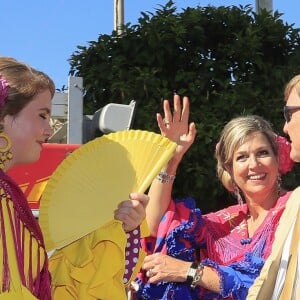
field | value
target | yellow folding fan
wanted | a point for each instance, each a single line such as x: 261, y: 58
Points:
x: 85, y: 189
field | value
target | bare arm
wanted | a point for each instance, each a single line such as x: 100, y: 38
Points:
x: 176, y: 127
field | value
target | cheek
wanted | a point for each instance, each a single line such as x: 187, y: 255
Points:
x: 270, y: 164
x: 22, y: 133
x: 238, y: 170
x: 293, y: 132
x: 295, y: 149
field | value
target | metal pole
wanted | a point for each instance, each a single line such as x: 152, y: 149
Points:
x: 119, y: 16
x: 263, y: 4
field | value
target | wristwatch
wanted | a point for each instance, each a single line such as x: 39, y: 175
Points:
x: 194, y: 274
x: 191, y: 273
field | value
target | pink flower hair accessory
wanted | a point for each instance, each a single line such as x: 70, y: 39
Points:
x: 284, y: 148
x: 3, y: 91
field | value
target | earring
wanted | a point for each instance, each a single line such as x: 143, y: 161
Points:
x: 279, y: 181
x: 237, y: 193
x: 5, y: 153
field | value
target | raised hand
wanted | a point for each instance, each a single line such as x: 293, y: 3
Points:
x: 175, y: 125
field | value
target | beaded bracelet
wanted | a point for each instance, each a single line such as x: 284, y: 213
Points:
x: 164, y: 177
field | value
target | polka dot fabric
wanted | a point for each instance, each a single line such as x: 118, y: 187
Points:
x: 131, y: 253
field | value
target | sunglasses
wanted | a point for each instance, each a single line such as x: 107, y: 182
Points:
x: 288, y: 112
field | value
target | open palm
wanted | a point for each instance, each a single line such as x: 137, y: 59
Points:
x: 175, y: 125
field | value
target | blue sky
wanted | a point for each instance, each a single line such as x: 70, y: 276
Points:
x: 46, y: 33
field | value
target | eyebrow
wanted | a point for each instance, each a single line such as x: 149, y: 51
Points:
x: 45, y: 109
x: 264, y: 147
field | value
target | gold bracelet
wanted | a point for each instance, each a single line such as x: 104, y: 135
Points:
x: 197, y: 276
x: 164, y: 177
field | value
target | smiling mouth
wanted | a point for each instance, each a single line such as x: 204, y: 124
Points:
x: 257, y: 177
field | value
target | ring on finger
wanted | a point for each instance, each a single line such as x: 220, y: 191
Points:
x: 166, y: 123
x: 150, y: 273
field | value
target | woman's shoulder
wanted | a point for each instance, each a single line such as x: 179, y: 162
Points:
x: 237, y: 208
x: 229, y: 214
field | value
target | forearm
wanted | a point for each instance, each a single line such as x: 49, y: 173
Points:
x: 165, y: 268
x: 235, y: 279
x: 175, y: 126
x: 159, y: 197
x: 209, y: 280
x: 222, y: 280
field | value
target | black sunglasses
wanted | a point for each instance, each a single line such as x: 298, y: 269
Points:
x: 288, y: 111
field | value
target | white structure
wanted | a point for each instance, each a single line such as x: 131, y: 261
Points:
x: 72, y: 127
x: 115, y: 117
x: 67, y: 113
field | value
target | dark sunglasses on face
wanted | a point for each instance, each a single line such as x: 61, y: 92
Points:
x: 288, y: 111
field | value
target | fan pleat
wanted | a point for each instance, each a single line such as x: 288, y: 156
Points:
x: 85, y: 189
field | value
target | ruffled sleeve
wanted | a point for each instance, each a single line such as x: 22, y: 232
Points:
x: 236, y: 278
x: 92, y: 267
x: 178, y: 236
x: 179, y: 228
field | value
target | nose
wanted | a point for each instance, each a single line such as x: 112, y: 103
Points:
x: 285, y: 128
x: 253, y: 161
x: 48, y: 130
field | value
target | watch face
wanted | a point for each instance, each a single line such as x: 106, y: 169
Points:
x: 192, y: 272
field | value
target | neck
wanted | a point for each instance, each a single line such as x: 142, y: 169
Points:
x: 258, y: 206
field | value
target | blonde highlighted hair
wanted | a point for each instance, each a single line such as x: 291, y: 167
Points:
x: 293, y: 83
x: 233, y: 135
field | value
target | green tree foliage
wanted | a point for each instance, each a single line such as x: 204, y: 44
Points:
x: 228, y: 60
